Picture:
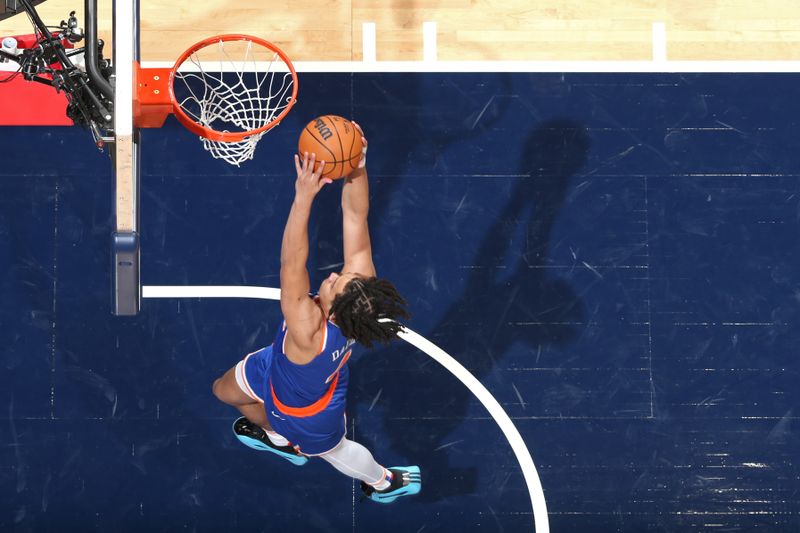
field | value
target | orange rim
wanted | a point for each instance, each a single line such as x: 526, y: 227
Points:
x: 226, y: 136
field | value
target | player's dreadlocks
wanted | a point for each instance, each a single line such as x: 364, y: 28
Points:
x: 360, y: 306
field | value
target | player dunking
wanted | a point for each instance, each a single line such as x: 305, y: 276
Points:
x: 292, y: 394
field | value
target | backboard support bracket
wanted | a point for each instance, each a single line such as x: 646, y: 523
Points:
x: 127, y: 301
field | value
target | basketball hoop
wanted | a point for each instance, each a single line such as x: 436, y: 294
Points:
x: 229, y: 90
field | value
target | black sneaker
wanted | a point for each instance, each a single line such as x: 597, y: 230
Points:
x: 255, y: 437
x: 406, y: 481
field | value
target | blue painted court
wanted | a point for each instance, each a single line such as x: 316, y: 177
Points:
x: 614, y: 256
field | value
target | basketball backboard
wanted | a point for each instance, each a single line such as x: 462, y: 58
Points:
x: 235, y: 88
x: 125, y: 152
x: 99, y: 96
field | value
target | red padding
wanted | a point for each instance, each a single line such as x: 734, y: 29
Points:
x: 27, y: 103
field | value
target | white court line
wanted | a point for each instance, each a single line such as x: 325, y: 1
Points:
x: 659, y: 42
x: 429, y: 52
x: 368, y: 47
x: 527, y: 66
x: 540, y: 519
x: 210, y: 291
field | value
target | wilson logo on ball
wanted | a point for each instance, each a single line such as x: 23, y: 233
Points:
x: 322, y: 129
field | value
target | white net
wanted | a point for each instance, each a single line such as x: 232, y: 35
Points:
x: 226, y: 94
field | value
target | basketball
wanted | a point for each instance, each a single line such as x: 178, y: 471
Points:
x: 336, y: 141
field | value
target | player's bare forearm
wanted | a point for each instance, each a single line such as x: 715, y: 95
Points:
x: 355, y: 209
x: 355, y: 195
x: 295, y: 282
x: 294, y: 248
x: 355, y: 226
x: 355, y: 192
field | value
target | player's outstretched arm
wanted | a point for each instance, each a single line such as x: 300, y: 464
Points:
x: 302, y: 316
x: 355, y: 208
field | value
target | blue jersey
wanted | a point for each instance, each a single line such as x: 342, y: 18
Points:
x: 304, y: 403
x: 303, y: 390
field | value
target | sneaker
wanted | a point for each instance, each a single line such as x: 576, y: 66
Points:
x: 255, y: 437
x: 406, y: 481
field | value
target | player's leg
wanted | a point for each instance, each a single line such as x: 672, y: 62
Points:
x: 354, y: 460
x: 238, y: 388
x: 380, y: 484
x: 228, y: 390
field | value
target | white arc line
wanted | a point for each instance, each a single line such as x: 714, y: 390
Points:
x: 510, y: 431
x: 210, y: 291
x: 496, y: 410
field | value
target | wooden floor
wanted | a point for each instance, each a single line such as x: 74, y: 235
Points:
x: 468, y: 29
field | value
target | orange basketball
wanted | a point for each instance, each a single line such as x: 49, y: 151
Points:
x: 336, y: 141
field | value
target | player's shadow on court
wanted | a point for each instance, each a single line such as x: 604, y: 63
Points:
x: 484, y: 324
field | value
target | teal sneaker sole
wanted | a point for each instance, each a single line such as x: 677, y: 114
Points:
x: 413, y: 487
x: 256, y: 444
